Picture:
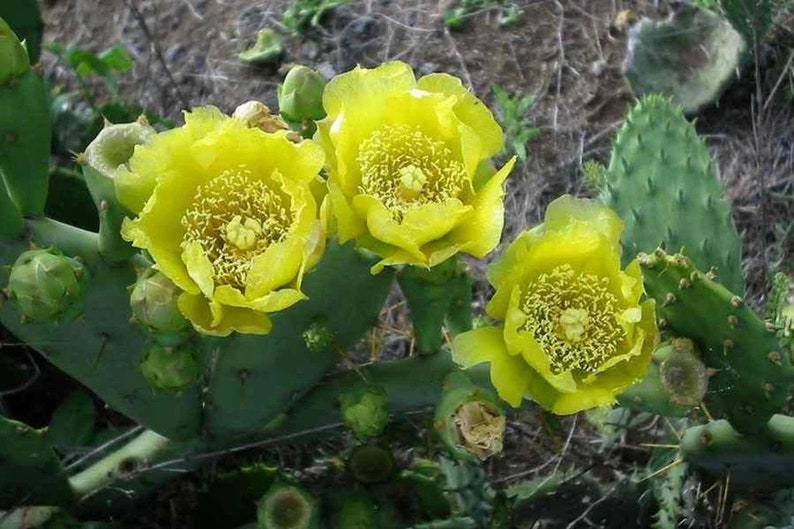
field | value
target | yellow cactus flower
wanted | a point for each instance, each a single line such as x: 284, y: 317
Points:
x: 574, y: 332
x: 409, y: 177
x: 226, y: 211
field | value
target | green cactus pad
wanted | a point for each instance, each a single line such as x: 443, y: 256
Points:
x: 170, y: 368
x: 30, y: 472
x: 662, y: 183
x: 752, y: 378
x: 101, y: 348
x: 690, y: 57
x: 765, y: 461
x: 25, y: 134
x: 24, y: 17
x: 253, y: 379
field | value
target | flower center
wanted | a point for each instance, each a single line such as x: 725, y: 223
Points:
x: 573, y: 317
x: 403, y: 168
x: 235, y: 218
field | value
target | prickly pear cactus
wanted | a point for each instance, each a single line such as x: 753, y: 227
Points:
x: 752, y: 376
x: 663, y: 184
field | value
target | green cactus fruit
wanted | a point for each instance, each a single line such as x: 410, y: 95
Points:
x: 365, y: 410
x: 683, y: 374
x: 675, y: 382
x: 104, y: 157
x: 300, y: 98
x: 371, y: 463
x: 15, y: 60
x: 170, y: 368
x: 25, y: 128
x: 287, y: 506
x: 153, y: 302
x: 761, y: 461
x: 357, y: 512
x: 752, y: 378
x: 663, y: 185
x: 46, y: 285
x: 691, y: 57
x: 469, y: 419
x: 268, y: 48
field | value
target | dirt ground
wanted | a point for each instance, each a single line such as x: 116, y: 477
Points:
x: 567, y: 53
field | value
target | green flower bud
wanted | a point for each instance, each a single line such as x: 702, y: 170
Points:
x: 153, y: 302
x: 287, y: 507
x: 371, y: 463
x: 366, y: 411
x: 14, y: 60
x: 47, y: 285
x: 469, y: 419
x: 300, y: 98
x: 170, y: 368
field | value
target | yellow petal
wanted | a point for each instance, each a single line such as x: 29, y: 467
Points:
x: 469, y: 110
x: 480, y: 233
x: 224, y: 320
x: 567, y: 210
x: 199, y: 267
x: 383, y: 227
x: 348, y: 224
x: 276, y: 267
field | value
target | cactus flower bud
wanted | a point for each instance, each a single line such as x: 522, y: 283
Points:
x: 287, y: 507
x: 300, y: 98
x: 366, y: 412
x: 257, y: 115
x: 14, y: 60
x: 153, y: 302
x: 469, y: 419
x: 371, y: 463
x: 319, y: 337
x: 46, y: 285
x: 170, y: 368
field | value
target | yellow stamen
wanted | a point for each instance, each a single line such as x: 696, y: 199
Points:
x: 403, y: 167
x: 236, y: 217
x: 573, y: 318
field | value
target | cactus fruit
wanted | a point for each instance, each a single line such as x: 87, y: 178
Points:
x: 46, y: 285
x: 170, y: 368
x: 287, y: 507
x: 675, y: 382
x: 357, y: 512
x: 153, y: 303
x: 371, y: 463
x: 25, y: 130
x: 752, y: 377
x: 365, y: 410
x: 691, y: 57
x: 104, y: 157
x: 30, y: 471
x: 469, y: 419
x: 759, y: 460
x: 663, y: 185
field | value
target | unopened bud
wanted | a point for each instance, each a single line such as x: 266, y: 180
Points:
x: 170, y: 368
x: 300, y: 98
x: 153, y: 302
x: 366, y: 412
x: 47, y: 285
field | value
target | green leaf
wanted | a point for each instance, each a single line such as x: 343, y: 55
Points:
x: 72, y: 425
x: 117, y: 58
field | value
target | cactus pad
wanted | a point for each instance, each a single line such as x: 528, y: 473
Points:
x: 662, y: 183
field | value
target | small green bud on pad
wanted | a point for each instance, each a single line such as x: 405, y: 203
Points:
x: 319, y: 337
x: 153, y: 302
x: 47, y: 285
x: 371, y: 463
x: 170, y: 368
x: 301, y: 96
x: 366, y: 412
